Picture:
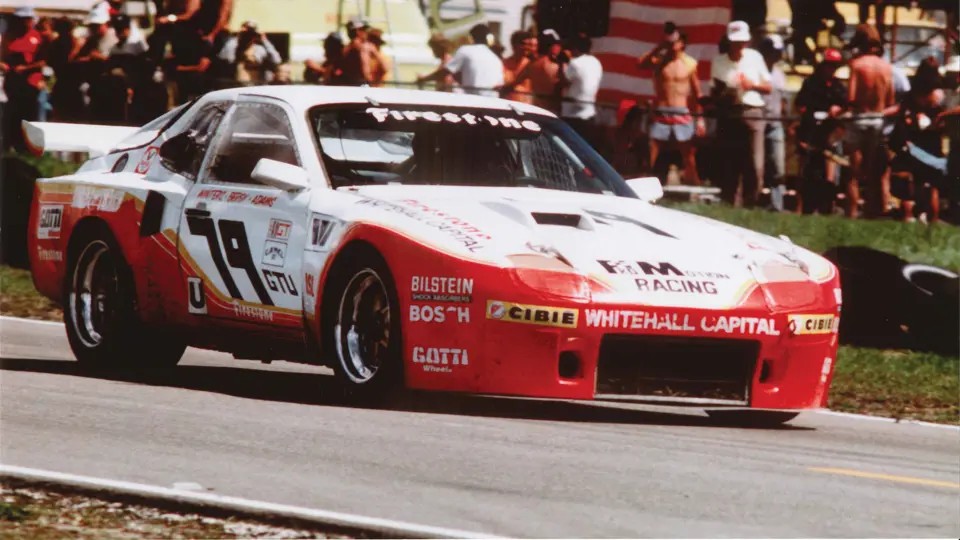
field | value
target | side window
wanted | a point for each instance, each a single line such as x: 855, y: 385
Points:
x: 201, y: 132
x: 253, y: 131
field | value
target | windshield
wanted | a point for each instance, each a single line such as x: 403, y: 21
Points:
x: 452, y: 146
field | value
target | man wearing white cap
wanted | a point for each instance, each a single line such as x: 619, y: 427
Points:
x: 740, y: 80
x: 23, y: 64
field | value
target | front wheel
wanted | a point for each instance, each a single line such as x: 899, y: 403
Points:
x: 747, y: 418
x: 100, y: 315
x: 362, y: 325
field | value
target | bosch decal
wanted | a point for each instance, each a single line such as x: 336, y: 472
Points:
x: 438, y: 314
x: 540, y: 315
x: 51, y: 218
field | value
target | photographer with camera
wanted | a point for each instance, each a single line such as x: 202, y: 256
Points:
x: 580, y: 74
x: 253, y: 57
x: 678, y: 93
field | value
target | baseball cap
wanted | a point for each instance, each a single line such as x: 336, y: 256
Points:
x: 738, y: 31
x: 549, y: 37
x: 99, y: 14
x: 832, y: 56
x: 356, y: 24
x: 773, y: 42
x: 25, y: 12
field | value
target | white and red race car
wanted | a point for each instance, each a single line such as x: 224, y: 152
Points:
x: 428, y: 240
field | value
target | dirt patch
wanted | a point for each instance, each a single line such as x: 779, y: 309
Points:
x: 32, y: 513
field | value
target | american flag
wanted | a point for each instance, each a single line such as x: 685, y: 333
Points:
x: 636, y: 26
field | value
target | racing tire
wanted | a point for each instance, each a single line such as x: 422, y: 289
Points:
x: 362, y: 328
x: 100, y: 311
x: 751, y: 419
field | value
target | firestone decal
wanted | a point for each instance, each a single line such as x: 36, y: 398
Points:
x: 252, y: 312
x: 527, y: 314
x: 468, y: 119
x: 49, y: 255
x: 440, y: 359
x: 51, y: 218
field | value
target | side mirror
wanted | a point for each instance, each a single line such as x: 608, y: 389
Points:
x: 177, y: 153
x: 647, y: 188
x: 280, y: 175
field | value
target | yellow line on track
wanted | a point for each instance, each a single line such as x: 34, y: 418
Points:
x: 891, y: 478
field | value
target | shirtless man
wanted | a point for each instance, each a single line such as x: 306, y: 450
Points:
x: 542, y: 75
x: 678, y: 91
x: 870, y: 92
x: 360, y: 56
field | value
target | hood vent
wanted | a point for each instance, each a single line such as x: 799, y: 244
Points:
x: 563, y: 220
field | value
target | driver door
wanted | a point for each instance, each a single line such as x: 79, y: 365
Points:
x: 242, y: 241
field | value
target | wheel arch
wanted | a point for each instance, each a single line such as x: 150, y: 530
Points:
x: 350, y: 251
x: 84, y: 229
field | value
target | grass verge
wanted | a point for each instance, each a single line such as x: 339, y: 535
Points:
x: 18, y: 298
x: 29, y: 513
x: 937, y: 244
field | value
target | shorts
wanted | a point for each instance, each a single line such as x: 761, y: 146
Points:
x: 673, y: 122
x: 865, y: 132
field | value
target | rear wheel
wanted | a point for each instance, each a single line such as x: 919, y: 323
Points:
x: 363, y: 328
x: 746, y: 418
x: 100, y: 314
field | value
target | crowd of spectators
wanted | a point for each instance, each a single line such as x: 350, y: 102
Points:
x: 879, y: 131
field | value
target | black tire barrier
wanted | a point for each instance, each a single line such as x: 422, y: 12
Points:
x: 17, y: 181
x: 890, y: 303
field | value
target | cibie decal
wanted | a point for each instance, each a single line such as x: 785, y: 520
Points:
x: 196, y: 296
x: 812, y: 324
x: 279, y: 229
x: 526, y: 314
x: 467, y: 119
x: 147, y: 158
x: 438, y: 314
x: 51, y: 218
x: 321, y: 227
x: 440, y: 359
x: 441, y: 289
x: 274, y: 253
x: 102, y: 199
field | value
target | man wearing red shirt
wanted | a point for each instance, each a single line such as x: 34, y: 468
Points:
x: 20, y: 60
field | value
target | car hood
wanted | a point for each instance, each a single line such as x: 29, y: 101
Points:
x: 641, y: 252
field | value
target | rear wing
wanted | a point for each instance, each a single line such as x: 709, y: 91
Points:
x: 87, y: 138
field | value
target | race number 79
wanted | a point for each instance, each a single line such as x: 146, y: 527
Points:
x: 236, y: 246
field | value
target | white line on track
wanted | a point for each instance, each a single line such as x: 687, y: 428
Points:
x: 320, y: 517
x: 820, y: 411
x: 34, y: 321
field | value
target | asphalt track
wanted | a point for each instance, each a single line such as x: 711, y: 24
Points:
x: 499, y: 466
